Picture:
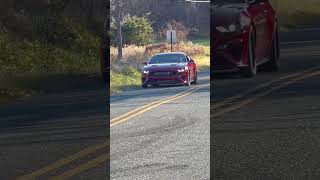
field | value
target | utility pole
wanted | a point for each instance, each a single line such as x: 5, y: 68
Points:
x: 171, y: 34
x: 118, y: 10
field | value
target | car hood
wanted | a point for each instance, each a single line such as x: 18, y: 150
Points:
x: 224, y: 14
x: 164, y: 67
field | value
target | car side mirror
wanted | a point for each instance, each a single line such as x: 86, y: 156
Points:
x: 145, y: 63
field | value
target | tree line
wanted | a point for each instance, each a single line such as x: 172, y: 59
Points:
x: 20, y: 16
x: 193, y: 15
x: 160, y: 13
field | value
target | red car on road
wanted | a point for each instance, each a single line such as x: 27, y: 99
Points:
x: 245, y: 36
x: 169, y: 69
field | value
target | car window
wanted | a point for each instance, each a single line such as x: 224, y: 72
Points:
x: 168, y: 58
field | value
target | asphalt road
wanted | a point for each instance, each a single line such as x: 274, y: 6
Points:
x: 169, y: 139
x: 262, y: 128
x: 268, y: 127
x: 49, y: 135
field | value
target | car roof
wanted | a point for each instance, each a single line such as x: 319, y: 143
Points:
x: 174, y: 53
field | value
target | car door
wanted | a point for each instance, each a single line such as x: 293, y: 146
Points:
x: 257, y: 10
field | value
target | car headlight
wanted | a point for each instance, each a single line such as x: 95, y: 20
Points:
x: 145, y: 72
x: 222, y: 29
x: 230, y: 28
x: 181, y: 70
x: 238, y: 26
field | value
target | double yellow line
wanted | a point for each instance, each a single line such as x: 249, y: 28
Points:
x: 93, y: 149
x: 148, y: 107
x: 65, y: 161
x: 230, y: 104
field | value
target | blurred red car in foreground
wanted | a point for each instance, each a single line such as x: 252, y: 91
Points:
x: 245, y: 36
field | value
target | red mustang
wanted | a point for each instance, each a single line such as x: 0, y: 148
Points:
x: 245, y: 36
x: 168, y: 69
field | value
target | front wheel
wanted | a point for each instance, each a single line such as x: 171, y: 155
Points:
x: 195, y: 78
x: 188, y: 83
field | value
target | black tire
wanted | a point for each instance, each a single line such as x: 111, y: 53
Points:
x: 273, y: 64
x: 195, y: 79
x: 251, y: 70
x: 144, y: 86
x: 188, y: 81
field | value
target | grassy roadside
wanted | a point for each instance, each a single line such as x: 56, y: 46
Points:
x: 24, y: 59
x: 202, y: 41
x: 121, y: 81
x: 295, y: 13
x: 128, y: 75
x: 203, y: 61
x: 19, y: 56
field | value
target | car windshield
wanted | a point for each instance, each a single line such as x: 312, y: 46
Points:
x: 167, y: 58
x: 228, y: 1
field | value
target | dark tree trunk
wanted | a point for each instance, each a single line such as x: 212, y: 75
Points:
x: 118, y: 25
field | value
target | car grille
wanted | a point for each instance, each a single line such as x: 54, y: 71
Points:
x: 163, y: 74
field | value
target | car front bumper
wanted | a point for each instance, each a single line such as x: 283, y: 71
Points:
x: 172, y: 80
x: 229, y: 53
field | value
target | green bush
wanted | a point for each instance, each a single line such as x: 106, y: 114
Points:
x: 77, y: 55
x: 64, y: 32
x: 135, y: 30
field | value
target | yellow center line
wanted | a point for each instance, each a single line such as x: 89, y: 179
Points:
x: 156, y: 105
x: 263, y: 94
x: 81, y: 168
x: 62, y: 162
x: 261, y: 86
x: 150, y: 104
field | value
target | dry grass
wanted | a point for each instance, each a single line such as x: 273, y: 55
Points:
x: 203, y: 62
x: 294, y: 13
x: 134, y: 56
x: 292, y: 6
